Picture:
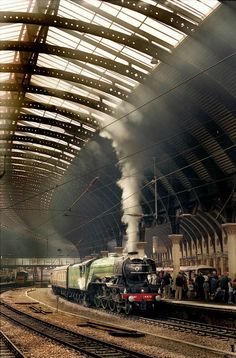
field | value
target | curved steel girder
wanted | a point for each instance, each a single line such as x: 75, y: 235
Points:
x: 36, y: 195
x: 194, y: 147
x: 201, y: 229
x: 71, y: 129
x: 209, y: 229
x: 132, y: 41
x: 52, y: 161
x: 47, y: 143
x: 29, y: 163
x: 119, y: 22
x: 67, y: 76
x: 34, y: 149
x: 180, y: 10
x: 159, y: 14
x: 69, y: 141
x: 37, y: 171
x: 217, y: 227
x: 106, y: 63
x: 184, y: 246
x: 172, y: 156
x: 81, y: 118
x: 74, y: 139
x: 52, y: 134
x: 188, y: 240
x: 193, y: 230
x: 67, y: 96
x: 33, y: 193
x: 193, y: 234
x: 24, y: 180
x: 34, y: 171
x: 214, y: 223
x: 44, y: 182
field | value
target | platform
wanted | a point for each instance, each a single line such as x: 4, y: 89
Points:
x: 200, y: 311
x: 210, y: 305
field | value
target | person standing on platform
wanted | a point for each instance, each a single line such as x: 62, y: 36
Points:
x: 191, y: 291
x: 199, y: 286
x: 231, y: 292
x: 224, y: 285
x: 234, y: 290
x: 179, y: 283
x: 213, y: 282
x: 206, y: 288
x: 166, y: 284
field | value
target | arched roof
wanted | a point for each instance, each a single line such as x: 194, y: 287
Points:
x: 68, y: 70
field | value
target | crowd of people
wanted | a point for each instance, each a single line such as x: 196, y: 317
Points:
x: 211, y: 287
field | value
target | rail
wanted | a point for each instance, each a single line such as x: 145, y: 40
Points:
x: 87, y: 345
x: 8, y: 348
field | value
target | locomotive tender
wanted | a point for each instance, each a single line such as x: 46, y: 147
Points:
x: 115, y: 282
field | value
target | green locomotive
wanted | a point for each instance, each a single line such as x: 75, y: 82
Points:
x: 115, y: 282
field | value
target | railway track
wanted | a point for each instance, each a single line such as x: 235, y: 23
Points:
x: 8, y: 348
x: 90, y: 346
x: 202, y: 329
x: 181, y: 325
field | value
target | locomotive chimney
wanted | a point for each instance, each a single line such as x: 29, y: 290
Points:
x: 104, y: 253
x: 119, y: 250
x: 141, y: 248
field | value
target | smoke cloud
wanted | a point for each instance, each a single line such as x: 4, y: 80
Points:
x: 124, y: 142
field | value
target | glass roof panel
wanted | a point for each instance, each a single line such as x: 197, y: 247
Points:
x: 10, y: 32
x: 101, y: 15
x: 20, y: 5
x: 61, y: 38
x: 129, y: 19
x: 137, y: 55
x: 52, y: 61
x: 199, y: 6
x: 109, y: 8
x: 7, y: 56
x: 4, y: 76
x: 102, y: 21
x: 75, y: 10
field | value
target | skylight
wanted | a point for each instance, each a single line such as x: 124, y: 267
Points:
x: 76, y: 69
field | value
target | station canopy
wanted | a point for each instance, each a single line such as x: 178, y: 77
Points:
x: 66, y: 69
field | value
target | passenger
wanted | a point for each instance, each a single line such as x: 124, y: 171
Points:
x: 224, y: 285
x: 234, y: 290
x: 191, y: 291
x: 219, y: 295
x: 231, y: 292
x: 159, y: 282
x: 213, y: 282
x: 206, y: 288
x: 179, y: 282
x: 199, y: 286
x: 166, y: 281
x: 185, y: 287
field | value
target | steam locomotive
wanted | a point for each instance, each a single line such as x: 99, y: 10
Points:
x: 118, y: 283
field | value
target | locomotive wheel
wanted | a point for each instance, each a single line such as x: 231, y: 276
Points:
x: 85, y: 301
x: 112, y: 305
x: 80, y: 298
x: 97, y: 301
x: 104, y: 303
x: 128, y: 307
x: 118, y: 308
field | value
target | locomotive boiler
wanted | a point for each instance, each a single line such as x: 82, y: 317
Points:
x: 125, y: 282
